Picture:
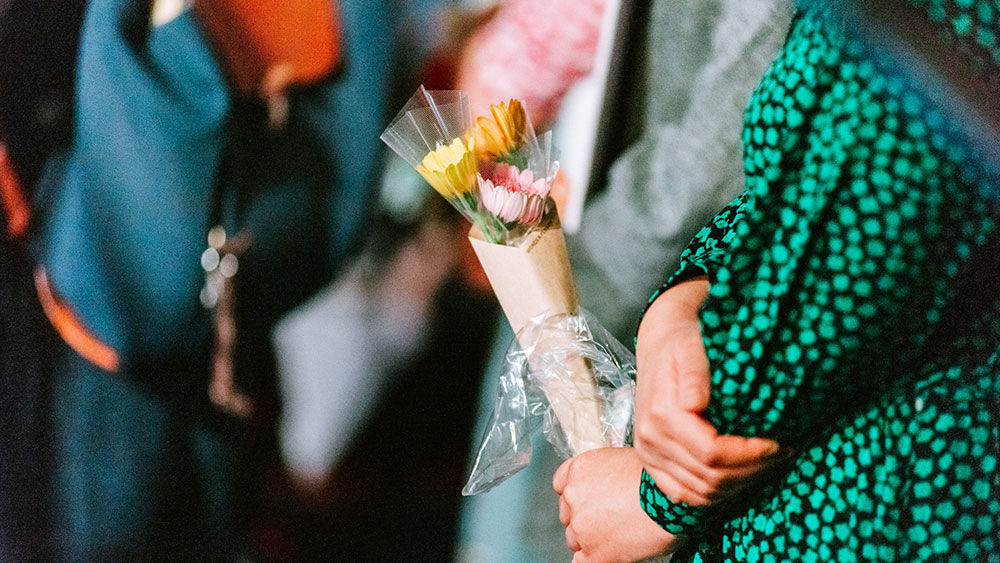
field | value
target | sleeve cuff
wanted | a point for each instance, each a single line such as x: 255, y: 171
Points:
x: 676, y: 518
x: 687, y: 271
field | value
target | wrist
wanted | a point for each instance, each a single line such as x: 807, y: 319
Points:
x: 677, y: 305
x: 690, y: 293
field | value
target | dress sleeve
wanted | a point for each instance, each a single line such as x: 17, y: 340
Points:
x: 708, y: 248
x: 703, y: 256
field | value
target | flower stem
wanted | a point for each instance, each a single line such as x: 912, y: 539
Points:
x: 493, y: 231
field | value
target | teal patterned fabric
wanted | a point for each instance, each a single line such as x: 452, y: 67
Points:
x: 853, y: 314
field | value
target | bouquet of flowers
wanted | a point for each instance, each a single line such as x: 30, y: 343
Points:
x: 495, y: 171
x: 498, y: 173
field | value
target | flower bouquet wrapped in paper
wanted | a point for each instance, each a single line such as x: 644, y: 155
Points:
x: 498, y: 174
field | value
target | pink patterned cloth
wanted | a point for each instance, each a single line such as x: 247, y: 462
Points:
x: 533, y: 50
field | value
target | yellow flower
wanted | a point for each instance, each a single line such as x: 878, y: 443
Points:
x: 450, y: 169
x: 498, y: 136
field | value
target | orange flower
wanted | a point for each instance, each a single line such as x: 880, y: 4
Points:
x: 503, y: 133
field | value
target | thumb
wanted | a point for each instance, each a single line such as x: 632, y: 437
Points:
x: 561, y: 476
x: 694, y: 386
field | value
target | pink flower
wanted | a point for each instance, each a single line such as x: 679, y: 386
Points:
x: 512, y: 195
x: 510, y: 177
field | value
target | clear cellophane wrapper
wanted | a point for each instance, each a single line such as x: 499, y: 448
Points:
x: 564, y: 374
x: 539, y: 390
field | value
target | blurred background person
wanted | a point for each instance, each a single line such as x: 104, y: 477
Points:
x: 35, y: 112
x: 378, y: 372
x: 168, y: 193
x: 339, y: 351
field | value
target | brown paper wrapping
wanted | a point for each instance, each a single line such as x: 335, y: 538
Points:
x: 535, y: 278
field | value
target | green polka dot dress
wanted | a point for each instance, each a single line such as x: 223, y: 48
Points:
x: 854, y: 313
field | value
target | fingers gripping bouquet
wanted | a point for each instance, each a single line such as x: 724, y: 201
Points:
x: 498, y: 174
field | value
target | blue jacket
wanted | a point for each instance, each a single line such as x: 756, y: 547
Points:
x: 159, y: 138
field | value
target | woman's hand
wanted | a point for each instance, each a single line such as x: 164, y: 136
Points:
x: 684, y: 454
x: 599, y: 505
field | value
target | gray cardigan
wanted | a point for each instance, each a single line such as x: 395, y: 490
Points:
x: 702, y: 60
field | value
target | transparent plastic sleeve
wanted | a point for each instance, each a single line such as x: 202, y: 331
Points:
x: 430, y: 119
x: 540, y: 389
x: 495, y: 170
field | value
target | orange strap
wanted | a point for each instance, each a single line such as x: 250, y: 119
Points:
x: 269, y: 45
x: 14, y: 204
x: 71, y: 329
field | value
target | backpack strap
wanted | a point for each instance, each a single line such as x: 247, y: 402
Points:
x: 13, y: 202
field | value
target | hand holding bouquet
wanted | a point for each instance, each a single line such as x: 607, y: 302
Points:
x: 498, y: 174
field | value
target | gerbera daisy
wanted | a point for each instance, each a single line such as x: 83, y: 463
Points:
x: 502, y: 134
x: 513, y: 195
x: 450, y: 169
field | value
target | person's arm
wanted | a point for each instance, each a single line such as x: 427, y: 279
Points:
x: 597, y: 504
x: 850, y: 264
x: 688, y: 464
